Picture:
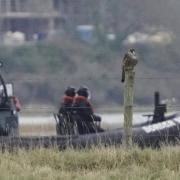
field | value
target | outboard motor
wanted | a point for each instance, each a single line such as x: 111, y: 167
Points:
x: 159, y: 110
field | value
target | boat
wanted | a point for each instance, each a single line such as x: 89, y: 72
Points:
x: 154, y: 135
x: 66, y: 124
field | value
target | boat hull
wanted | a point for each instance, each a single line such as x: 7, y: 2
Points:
x: 167, y: 132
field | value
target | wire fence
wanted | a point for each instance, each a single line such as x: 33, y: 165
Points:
x: 170, y: 97
x: 100, y: 77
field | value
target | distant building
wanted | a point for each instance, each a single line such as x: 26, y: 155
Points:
x: 39, y: 18
x: 29, y: 16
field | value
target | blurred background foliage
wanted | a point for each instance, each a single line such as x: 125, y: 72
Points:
x: 42, y: 70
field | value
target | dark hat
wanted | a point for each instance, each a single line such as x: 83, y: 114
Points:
x: 83, y: 91
x: 70, y: 91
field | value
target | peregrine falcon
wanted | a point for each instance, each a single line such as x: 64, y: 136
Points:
x: 130, y: 55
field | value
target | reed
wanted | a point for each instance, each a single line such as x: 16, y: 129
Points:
x: 89, y: 164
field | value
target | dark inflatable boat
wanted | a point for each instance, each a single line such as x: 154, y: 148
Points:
x: 161, y: 129
x: 154, y: 135
x: 68, y: 124
x: 166, y: 132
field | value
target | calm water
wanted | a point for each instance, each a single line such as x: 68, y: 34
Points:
x: 41, y: 125
x: 108, y: 120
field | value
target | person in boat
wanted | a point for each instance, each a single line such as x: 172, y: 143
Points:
x: 87, y: 121
x: 66, y: 105
x: 66, y: 123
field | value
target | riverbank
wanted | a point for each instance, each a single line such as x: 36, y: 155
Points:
x: 91, y: 164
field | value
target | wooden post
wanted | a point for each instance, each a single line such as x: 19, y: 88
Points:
x: 129, y: 63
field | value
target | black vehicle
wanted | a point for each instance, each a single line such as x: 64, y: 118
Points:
x: 9, y: 123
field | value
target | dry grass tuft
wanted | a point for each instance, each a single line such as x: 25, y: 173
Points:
x: 96, y: 163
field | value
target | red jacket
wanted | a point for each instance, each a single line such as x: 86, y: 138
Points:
x: 82, y: 102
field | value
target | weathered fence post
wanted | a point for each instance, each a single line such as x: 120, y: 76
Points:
x: 128, y: 74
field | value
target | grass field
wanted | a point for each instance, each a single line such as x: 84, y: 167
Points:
x: 98, y: 163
